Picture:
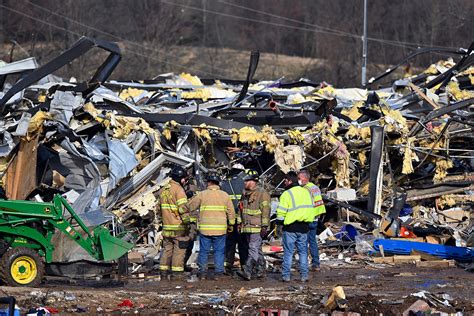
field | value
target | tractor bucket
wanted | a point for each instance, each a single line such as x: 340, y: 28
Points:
x: 112, y: 247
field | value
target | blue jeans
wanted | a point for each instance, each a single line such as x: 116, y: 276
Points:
x: 205, y: 244
x: 289, y: 242
x: 313, y: 244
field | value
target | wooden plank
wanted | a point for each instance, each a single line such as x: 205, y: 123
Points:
x: 386, y: 260
x: 436, y: 264
x: 424, y: 256
x: 135, y: 257
x: 423, y: 95
x: 20, y: 176
x: 433, y: 240
x: 406, y: 259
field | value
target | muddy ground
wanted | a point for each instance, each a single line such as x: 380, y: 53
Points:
x: 369, y: 291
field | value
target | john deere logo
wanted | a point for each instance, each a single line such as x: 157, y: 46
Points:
x: 47, y: 210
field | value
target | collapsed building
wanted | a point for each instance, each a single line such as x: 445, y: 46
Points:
x: 394, y: 157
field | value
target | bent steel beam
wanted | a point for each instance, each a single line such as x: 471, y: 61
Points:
x: 82, y: 46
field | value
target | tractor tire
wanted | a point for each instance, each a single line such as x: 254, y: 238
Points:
x: 21, y: 266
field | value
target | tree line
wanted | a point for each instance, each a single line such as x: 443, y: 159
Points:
x: 160, y: 35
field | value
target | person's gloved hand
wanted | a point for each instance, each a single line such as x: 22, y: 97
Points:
x: 239, y: 228
x: 230, y: 229
x: 263, y: 232
x: 189, y: 194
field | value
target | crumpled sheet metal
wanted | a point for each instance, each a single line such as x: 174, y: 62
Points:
x: 118, y: 138
x: 122, y: 162
x: 63, y: 105
x: 83, y: 177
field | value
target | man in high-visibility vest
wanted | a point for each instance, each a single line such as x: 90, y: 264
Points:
x: 255, y: 216
x: 216, y: 212
x: 175, y: 216
x: 304, y: 178
x: 295, y: 212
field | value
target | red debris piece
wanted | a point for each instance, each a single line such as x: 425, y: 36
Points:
x: 126, y: 303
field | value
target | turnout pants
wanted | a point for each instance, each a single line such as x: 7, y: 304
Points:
x: 174, y: 250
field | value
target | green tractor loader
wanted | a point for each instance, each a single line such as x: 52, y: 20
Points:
x: 26, y: 230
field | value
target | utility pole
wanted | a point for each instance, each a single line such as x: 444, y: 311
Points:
x: 3, y: 23
x: 364, y: 47
x: 204, y: 22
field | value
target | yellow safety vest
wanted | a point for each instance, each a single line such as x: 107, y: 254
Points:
x: 296, y: 205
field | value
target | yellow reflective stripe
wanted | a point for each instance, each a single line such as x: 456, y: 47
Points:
x: 265, y: 222
x: 212, y: 227
x: 250, y: 230
x: 265, y: 203
x: 164, y: 268
x: 235, y: 196
x: 213, y: 208
x: 181, y: 201
x: 252, y: 212
x: 310, y: 207
x: 177, y: 269
x: 169, y: 206
x: 174, y: 227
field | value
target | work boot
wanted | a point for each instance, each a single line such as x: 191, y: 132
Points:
x: 177, y: 276
x: 192, y: 278
x: 228, y: 270
x: 286, y: 280
x: 247, y: 269
x: 217, y: 276
x: 164, y: 275
x: 201, y: 276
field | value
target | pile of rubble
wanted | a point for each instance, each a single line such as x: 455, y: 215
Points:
x: 394, y: 157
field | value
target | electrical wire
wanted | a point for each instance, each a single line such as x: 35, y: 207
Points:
x: 329, y: 30
x: 324, y: 31
x: 107, y: 33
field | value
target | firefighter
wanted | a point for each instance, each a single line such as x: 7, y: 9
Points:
x: 319, y: 209
x: 234, y: 185
x: 295, y: 211
x: 255, y: 215
x: 216, y: 212
x: 173, y: 210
